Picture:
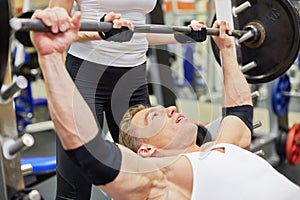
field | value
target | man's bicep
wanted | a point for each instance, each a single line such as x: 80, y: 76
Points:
x: 233, y: 130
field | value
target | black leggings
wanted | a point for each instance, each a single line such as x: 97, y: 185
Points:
x: 106, y: 89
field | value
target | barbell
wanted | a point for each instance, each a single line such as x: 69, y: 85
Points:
x: 268, y: 43
x: 85, y: 25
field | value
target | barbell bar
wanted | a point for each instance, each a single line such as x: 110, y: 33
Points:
x: 85, y: 25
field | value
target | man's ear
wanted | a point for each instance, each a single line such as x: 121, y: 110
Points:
x: 146, y: 150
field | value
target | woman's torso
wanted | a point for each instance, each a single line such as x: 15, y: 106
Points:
x: 125, y: 54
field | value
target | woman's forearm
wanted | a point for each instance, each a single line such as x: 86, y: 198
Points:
x: 84, y: 36
x: 158, y: 39
x: 67, y: 4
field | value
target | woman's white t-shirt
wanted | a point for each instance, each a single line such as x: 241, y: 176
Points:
x: 126, y: 54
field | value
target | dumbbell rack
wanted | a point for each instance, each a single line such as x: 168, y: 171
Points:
x: 11, y: 178
x: 267, y: 141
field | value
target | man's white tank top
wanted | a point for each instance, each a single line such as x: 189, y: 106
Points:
x: 125, y: 54
x: 237, y: 174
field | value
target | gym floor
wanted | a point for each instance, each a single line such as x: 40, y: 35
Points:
x: 45, y: 141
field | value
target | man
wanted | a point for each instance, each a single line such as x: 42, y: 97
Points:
x: 222, y: 171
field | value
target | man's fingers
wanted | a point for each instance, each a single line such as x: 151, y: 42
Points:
x: 50, y: 14
x: 223, y: 28
x: 76, y: 20
x: 56, y: 18
x: 39, y: 14
x: 63, y: 19
x: 229, y: 31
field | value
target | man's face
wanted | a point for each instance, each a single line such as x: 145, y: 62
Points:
x: 164, y: 128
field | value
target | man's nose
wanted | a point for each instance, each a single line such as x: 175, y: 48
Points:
x: 171, y: 110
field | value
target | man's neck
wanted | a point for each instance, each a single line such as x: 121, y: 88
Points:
x: 193, y: 148
x: 174, y: 152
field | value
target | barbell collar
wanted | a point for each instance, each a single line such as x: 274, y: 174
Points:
x: 37, y: 25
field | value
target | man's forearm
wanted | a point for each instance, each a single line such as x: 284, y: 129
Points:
x: 67, y: 108
x: 236, y: 89
x: 236, y: 102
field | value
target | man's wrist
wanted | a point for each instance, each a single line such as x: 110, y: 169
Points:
x: 227, y: 51
x: 50, y: 59
x: 53, y: 55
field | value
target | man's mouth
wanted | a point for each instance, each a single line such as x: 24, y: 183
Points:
x: 179, y: 118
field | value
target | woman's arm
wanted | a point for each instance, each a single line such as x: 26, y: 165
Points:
x: 66, y: 4
x: 158, y: 39
x: 196, y: 35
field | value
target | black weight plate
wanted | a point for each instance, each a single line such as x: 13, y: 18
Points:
x: 280, y: 48
x: 4, y: 35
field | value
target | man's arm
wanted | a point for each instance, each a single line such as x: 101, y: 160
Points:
x: 237, y: 101
x: 76, y: 126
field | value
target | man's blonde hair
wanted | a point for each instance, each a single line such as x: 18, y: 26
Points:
x: 127, y: 136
